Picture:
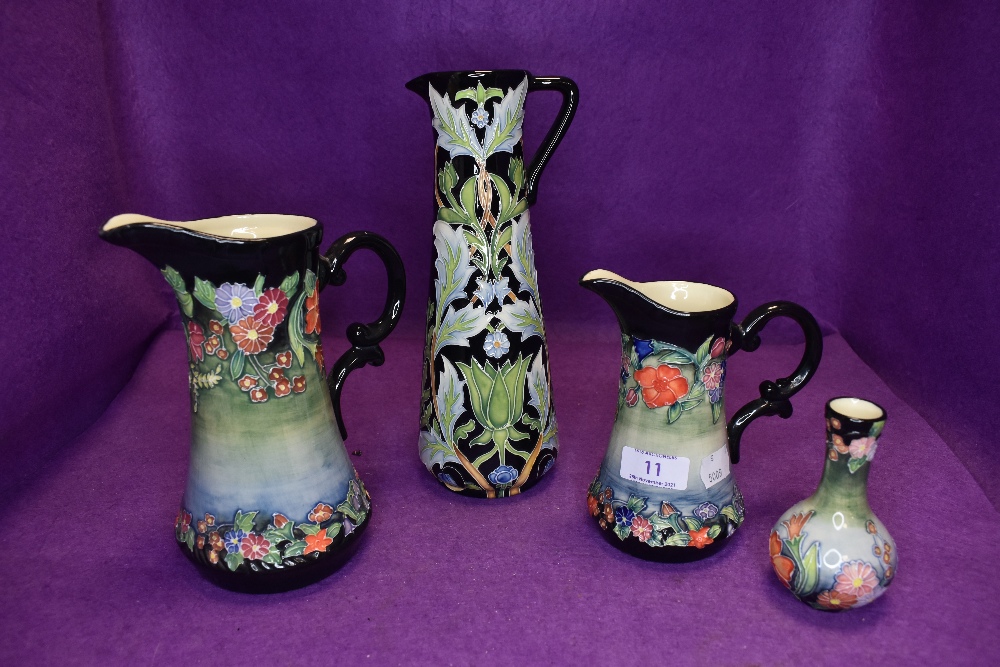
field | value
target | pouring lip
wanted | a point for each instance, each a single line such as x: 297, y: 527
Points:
x: 604, y: 276
x: 415, y: 83
x: 209, y: 228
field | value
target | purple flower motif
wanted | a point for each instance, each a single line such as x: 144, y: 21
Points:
x: 624, y: 516
x: 235, y: 301
x: 706, y: 511
x: 348, y: 527
x: 715, y: 395
x: 232, y: 540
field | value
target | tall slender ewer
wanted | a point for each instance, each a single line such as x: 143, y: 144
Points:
x: 487, y: 426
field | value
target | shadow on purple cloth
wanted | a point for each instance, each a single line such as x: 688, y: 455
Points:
x: 846, y: 159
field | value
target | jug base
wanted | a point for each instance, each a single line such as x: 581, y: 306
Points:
x: 664, y: 554
x: 278, y: 580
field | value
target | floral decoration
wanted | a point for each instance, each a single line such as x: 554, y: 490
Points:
x: 798, y: 566
x: 279, y: 542
x: 656, y: 372
x: 860, y: 447
x: 632, y: 518
x: 236, y: 326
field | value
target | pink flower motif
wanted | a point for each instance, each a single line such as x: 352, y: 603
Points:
x: 631, y: 397
x: 718, y: 347
x: 863, y: 447
x: 641, y: 528
x: 255, y: 547
x: 196, y: 336
x: 711, y: 377
x: 856, y: 578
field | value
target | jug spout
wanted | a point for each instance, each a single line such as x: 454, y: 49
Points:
x: 649, y: 309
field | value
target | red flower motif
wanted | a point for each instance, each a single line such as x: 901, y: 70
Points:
x: 298, y: 384
x: 196, y: 336
x: 284, y: 359
x: 319, y: 356
x: 320, y: 513
x: 592, y: 505
x: 282, y: 387
x: 255, y: 547
x: 839, y: 445
x: 317, y: 542
x: 783, y: 565
x: 642, y: 529
x: 247, y: 382
x: 312, y: 313
x: 271, y: 307
x: 663, y: 385
x: 201, y: 526
x: 184, y: 520
x: 222, y: 353
x: 718, y: 347
x: 631, y: 397
x: 251, y: 336
x: 212, y: 344
x: 215, y: 541
x: 275, y: 374
x: 215, y: 326
x: 200, y: 542
x: 833, y: 455
x: 700, y: 538
x: 258, y: 395
x: 213, y: 557
x: 836, y: 600
x: 796, y: 522
x: 279, y: 520
x: 209, y: 519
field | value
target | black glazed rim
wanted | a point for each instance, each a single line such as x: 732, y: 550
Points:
x: 832, y: 412
x: 284, y: 579
x: 440, y: 80
x: 110, y: 234
x: 702, y: 314
x: 664, y: 554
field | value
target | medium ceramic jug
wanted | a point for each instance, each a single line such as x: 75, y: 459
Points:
x: 272, y: 500
x: 830, y: 550
x: 665, y: 490
x: 487, y: 425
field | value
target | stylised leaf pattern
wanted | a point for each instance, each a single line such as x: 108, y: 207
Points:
x: 522, y: 317
x: 505, y: 130
x: 458, y: 326
x: 454, y: 132
x: 454, y: 270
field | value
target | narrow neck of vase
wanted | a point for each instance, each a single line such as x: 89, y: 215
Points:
x: 852, y: 430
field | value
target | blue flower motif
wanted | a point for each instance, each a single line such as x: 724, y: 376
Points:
x: 624, y: 516
x: 235, y: 301
x: 643, y: 348
x: 706, y: 511
x: 496, y: 344
x: 503, y: 476
x: 232, y: 540
x: 447, y: 478
x: 484, y: 292
x: 480, y: 118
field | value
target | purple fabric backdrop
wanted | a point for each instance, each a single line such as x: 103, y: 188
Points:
x: 845, y: 158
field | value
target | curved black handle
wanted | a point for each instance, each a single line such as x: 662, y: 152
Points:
x: 774, y: 396
x: 571, y: 97
x: 364, y: 338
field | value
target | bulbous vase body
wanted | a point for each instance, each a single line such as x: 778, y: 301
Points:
x: 830, y: 550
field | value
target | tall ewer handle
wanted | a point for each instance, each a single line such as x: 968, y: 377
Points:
x: 571, y: 97
x: 364, y: 338
x: 774, y: 395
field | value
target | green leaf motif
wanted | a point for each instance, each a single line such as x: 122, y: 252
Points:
x: 468, y: 198
x: 677, y: 540
x: 189, y: 539
x: 454, y: 133
x: 655, y: 539
x: 522, y: 317
x: 296, y: 335
x: 523, y: 257
x: 184, y: 299
x: 236, y: 362
x: 636, y: 503
x: 730, y: 513
x: 689, y: 404
x: 309, y: 282
x: 674, y: 412
x: 275, y: 535
x: 289, y: 285
x: 295, y: 548
x: 503, y: 134
x: 714, y: 531
x: 258, y: 286
x: 622, y: 531
x: 702, y: 355
x: 243, y: 521
x: 233, y: 561
x: 463, y: 431
x: 674, y: 357
x: 310, y: 528
x: 458, y: 326
x: 692, y: 523
x: 855, y: 464
x: 204, y: 291
x: 807, y: 576
x: 716, y: 411
x: 334, y: 529
x: 273, y: 556
x: 453, y: 266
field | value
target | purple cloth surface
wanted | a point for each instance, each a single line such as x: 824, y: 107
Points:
x: 95, y: 577
x: 842, y: 157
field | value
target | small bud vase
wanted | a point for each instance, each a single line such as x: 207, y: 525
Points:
x: 830, y: 550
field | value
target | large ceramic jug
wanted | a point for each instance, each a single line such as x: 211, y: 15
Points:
x: 665, y: 490
x: 272, y: 499
x: 487, y: 426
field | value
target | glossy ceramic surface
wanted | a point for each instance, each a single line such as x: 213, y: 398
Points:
x: 487, y: 426
x: 830, y: 550
x: 272, y: 500
x: 665, y: 490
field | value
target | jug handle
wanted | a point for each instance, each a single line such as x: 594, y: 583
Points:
x: 571, y: 98
x: 774, y: 395
x: 364, y: 338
